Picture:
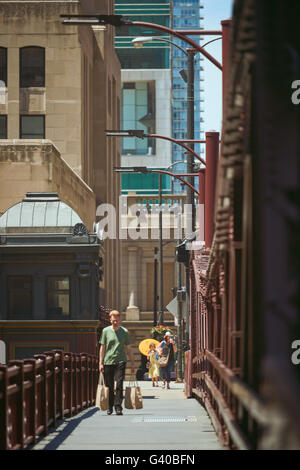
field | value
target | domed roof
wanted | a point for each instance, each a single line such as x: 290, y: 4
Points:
x: 39, y: 211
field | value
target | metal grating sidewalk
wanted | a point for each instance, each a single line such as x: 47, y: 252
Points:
x: 165, y: 419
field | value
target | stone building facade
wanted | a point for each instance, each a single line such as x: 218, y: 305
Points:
x: 59, y: 91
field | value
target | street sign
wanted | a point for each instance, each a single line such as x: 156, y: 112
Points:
x: 172, y: 307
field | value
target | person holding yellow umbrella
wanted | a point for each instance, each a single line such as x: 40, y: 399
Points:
x: 148, y: 348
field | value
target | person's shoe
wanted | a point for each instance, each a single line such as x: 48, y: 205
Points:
x: 119, y: 412
x: 168, y: 386
x: 109, y: 411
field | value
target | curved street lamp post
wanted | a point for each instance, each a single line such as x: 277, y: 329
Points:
x: 212, y: 138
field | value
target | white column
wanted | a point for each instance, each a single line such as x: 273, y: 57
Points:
x: 132, y: 311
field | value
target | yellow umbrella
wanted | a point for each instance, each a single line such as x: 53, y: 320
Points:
x: 144, y: 345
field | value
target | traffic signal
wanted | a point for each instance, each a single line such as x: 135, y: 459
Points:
x: 182, y: 254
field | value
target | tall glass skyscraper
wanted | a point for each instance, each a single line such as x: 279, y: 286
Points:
x: 186, y: 14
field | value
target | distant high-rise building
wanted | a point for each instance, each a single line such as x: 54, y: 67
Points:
x: 146, y: 93
x: 186, y: 14
x: 151, y: 81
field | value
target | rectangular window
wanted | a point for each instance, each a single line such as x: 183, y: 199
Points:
x: 3, y: 126
x: 32, y: 67
x: 3, y: 67
x: 19, y: 297
x: 32, y: 127
x: 138, y: 112
x: 58, y: 296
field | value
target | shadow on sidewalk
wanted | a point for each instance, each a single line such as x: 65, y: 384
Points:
x: 64, y: 433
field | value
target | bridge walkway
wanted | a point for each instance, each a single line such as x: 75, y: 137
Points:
x: 168, y: 421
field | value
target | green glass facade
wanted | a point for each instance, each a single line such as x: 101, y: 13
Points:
x: 145, y: 184
x: 157, y: 12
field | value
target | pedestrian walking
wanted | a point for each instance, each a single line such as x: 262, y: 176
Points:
x: 154, y: 368
x: 168, y: 349
x: 114, y: 344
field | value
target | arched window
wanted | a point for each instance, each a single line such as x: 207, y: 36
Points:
x: 3, y: 66
x: 32, y: 67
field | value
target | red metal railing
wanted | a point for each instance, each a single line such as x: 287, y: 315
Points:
x: 217, y: 379
x: 36, y: 392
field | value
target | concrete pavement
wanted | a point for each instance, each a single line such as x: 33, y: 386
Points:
x: 168, y: 421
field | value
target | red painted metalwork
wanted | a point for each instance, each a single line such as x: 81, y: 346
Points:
x: 225, y: 53
x: 177, y: 176
x: 35, y: 392
x: 196, y: 32
x: 181, y: 143
x: 187, y: 374
x: 181, y: 36
x: 201, y: 175
x: 212, y: 155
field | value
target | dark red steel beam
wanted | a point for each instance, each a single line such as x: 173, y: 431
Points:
x: 164, y: 172
x: 181, y: 36
x: 192, y: 141
x: 225, y: 48
x: 179, y: 142
x: 212, y: 156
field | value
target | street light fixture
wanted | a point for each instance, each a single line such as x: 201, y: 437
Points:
x: 140, y: 134
x: 190, y: 192
x: 119, y: 21
x: 188, y: 77
x: 139, y: 41
x: 145, y: 170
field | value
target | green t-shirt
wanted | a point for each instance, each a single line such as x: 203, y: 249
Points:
x: 115, y: 342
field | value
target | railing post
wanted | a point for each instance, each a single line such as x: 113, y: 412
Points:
x: 187, y: 373
x: 95, y: 376
x: 20, y: 405
x: 60, y: 382
x: 43, y: 358
x: 32, y: 412
x: 52, y: 390
x: 68, y: 385
x: 81, y: 381
x: 87, y: 378
x: 75, y: 378
x: 4, y: 429
x: 71, y: 382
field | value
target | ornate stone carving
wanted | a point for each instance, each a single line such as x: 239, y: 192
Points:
x: 80, y: 230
